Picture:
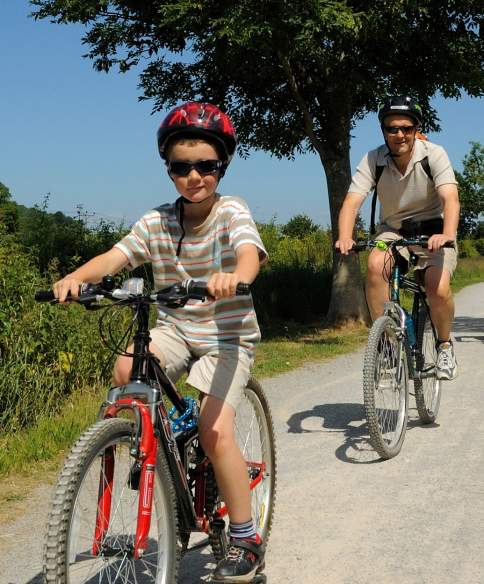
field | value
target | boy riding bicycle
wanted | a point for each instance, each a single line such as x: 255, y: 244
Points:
x: 201, y: 236
x: 418, y: 196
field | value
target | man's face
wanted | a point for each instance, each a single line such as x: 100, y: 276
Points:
x: 399, y: 133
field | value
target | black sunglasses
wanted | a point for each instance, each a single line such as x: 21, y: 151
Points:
x: 203, y: 167
x: 395, y: 129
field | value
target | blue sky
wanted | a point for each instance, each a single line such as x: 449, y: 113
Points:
x: 83, y: 136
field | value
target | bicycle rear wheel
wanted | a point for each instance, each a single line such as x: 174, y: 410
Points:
x: 254, y: 432
x: 428, y: 389
x: 385, y: 388
x: 100, y: 463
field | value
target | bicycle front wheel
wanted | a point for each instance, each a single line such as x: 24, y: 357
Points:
x: 428, y: 388
x: 254, y: 433
x: 100, y: 466
x: 385, y: 388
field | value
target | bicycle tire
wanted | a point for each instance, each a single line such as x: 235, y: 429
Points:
x: 385, y: 388
x: 68, y: 556
x: 254, y: 430
x: 428, y: 390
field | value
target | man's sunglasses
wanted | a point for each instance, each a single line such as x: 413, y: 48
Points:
x: 395, y: 129
x: 203, y: 167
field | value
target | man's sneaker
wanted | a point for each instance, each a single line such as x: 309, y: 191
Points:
x: 242, y: 562
x: 446, y: 363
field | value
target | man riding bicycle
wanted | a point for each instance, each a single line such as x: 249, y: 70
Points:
x: 418, y: 195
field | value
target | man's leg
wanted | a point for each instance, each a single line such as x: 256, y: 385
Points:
x: 377, y: 281
x: 437, y: 286
x: 441, y: 301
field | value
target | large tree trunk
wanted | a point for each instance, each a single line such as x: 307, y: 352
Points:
x: 348, y: 301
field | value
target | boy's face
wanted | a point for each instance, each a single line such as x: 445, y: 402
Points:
x: 194, y: 186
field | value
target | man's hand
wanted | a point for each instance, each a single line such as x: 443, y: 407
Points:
x: 345, y: 245
x: 223, y: 285
x: 438, y: 240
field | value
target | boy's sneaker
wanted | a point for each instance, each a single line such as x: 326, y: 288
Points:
x: 446, y: 367
x: 245, y: 557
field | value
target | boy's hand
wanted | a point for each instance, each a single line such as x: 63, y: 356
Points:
x: 68, y: 286
x: 223, y: 285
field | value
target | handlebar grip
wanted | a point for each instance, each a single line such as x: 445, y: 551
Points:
x: 199, y: 288
x: 243, y: 289
x: 359, y: 246
x: 44, y: 295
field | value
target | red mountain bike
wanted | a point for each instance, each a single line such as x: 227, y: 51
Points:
x: 137, y: 483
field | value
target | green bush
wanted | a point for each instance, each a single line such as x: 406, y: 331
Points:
x: 467, y: 249
x: 296, y: 283
x: 479, y: 245
x: 46, y: 351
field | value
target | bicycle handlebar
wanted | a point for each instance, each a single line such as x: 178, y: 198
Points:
x: 420, y: 241
x: 177, y: 294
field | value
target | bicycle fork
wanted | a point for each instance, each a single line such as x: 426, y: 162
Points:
x: 144, y: 450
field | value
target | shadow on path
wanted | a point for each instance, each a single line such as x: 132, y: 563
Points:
x: 468, y: 325
x: 349, y: 420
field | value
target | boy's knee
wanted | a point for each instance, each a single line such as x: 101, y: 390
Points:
x: 122, y: 370
x: 215, y: 441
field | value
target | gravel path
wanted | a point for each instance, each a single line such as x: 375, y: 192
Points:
x: 342, y: 515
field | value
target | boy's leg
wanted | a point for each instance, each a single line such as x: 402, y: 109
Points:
x: 221, y: 377
x: 167, y: 345
x: 216, y: 431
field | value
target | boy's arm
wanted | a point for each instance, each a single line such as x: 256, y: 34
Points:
x: 224, y: 284
x: 92, y: 271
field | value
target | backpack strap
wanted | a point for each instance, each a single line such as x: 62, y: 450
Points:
x: 378, y: 171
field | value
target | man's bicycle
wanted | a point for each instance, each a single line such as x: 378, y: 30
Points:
x: 137, y: 483
x: 402, y: 345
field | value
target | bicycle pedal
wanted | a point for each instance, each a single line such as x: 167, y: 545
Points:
x: 260, y: 579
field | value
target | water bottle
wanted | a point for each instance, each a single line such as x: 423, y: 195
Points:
x: 412, y: 339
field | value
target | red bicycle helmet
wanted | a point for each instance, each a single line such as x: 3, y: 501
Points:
x: 199, y: 120
x: 400, y: 104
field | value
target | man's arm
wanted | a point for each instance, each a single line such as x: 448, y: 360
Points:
x: 449, y: 197
x: 346, y: 221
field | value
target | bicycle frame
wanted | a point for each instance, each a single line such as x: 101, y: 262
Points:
x: 143, y: 396
x: 393, y: 308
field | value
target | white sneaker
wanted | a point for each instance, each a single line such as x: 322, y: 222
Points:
x: 446, y: 367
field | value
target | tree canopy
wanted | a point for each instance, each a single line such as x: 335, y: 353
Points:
x: 471, y: 190
x: 294, y: 76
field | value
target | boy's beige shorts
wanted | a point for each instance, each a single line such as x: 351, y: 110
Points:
x: 222, y: 372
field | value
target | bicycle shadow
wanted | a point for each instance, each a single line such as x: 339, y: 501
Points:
x: 349, y: 420
x: 196, y: 566
x: 468, y: 325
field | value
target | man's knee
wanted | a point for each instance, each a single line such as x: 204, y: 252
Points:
x: 437, y: 285
x: 376, y: 266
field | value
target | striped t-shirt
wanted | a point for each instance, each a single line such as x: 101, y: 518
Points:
x: 205, y: 250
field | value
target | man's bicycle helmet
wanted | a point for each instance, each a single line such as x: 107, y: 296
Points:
x: 199, y: 120
x: 400, y: 104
